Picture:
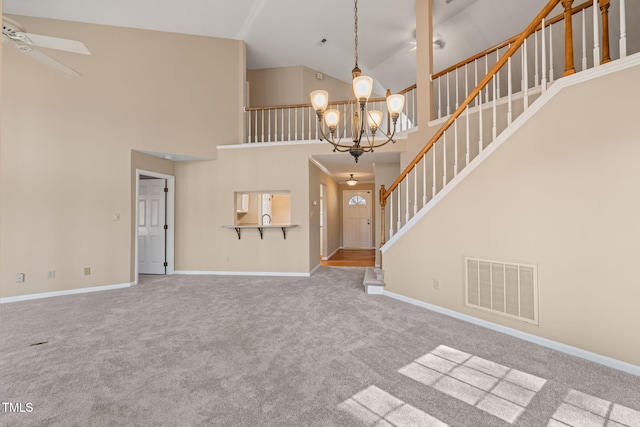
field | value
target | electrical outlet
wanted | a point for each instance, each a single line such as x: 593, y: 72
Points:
x: 436, y: 284
x: 51, y: 274
x: 19, y: 277
x: 87, y: 271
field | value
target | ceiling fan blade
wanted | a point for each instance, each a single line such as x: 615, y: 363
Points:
x: 53, y: 42
x: 47, y: 60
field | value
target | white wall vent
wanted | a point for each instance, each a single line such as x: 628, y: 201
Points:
x: 505, y: 288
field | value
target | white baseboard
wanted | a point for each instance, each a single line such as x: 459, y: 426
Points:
x: 314, y: 269
x: 241, y: 273
x: 554, y: 345
x: 67, y: 292
x: 328, y: 257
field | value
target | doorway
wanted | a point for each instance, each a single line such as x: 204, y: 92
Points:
x: 356, y: 226
x: 154, y: 223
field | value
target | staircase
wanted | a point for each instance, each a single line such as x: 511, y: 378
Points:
x: 523, y: 71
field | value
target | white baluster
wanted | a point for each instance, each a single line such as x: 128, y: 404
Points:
x: 433, y: 167
x: 414, y: 116
x: 295, y: 127
x: 399, y: 224
x: 623, y: 29
x: 525, y: 74
x: 543, y: 82
x: 407, y: 201
x: 424, y: 179
x: 444, y: 159
x: 486, y: 71
x: 282, y: 127
x: 455, y: 147
x: 415, y: 191
x: 467, y: 157
x: 302, y: 123
x: 550, y: 53
x: 262, y: 130
x: 596, y: 34
x: 391, y: 215
x: 457, y: 93
x: 475, y: 62
x: 439, y: 98
x: 248, y: 115
x: 466, y: 80
x: 480, y: 144
x: 584, y: 40
x: 269, y: 126
x: 535, y: 62
x: 510, y: 92
x: 495, y: 111
x: 448, y: 97
x: 289, y: 125
x: 498, y: 73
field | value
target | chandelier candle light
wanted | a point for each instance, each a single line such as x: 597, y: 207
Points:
x: 362, y: 88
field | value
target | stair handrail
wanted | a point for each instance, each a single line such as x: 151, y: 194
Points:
x: 579, y: 8
x: 385, y: 193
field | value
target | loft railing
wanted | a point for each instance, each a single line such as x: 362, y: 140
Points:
x: 299, y: 122
x: 451, y: 85
x: 483, y: 114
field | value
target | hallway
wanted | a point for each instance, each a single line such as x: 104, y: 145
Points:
x: 351, y: 258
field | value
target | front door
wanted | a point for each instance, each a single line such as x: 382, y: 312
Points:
x: 356, y: 207
x: 151, y: 226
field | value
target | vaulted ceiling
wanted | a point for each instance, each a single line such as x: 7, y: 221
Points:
x: 289, y: 32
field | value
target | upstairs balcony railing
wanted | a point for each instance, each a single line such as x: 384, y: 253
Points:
x: 451, y: 85
x: 528, y: 61
x: 300, y: 123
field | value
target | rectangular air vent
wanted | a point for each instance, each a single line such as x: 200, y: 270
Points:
x: 506, y: 288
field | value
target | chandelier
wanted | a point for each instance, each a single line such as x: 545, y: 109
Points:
x: 365, y: 122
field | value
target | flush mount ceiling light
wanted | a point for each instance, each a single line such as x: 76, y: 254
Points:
x: 352, y: 181
x: 365, y: 122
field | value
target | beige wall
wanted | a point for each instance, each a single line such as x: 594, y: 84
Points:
x: 66, y: 156
x: 561, y: 194
x: 291, y: 85
x: 205, y: 203
x: 333, y: 220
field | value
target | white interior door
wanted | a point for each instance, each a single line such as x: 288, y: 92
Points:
x: 356, y: 208
x: 151, y: 226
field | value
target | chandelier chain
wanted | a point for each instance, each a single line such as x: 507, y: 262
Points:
x: 355, y: 27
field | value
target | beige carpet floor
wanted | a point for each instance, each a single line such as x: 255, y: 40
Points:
x: 250, y: 351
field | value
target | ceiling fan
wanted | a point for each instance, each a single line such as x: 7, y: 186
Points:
x: 27, y: 42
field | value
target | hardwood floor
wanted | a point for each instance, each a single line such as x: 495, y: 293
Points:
x: 352, y: 258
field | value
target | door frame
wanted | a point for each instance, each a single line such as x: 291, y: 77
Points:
x: 170, y: 220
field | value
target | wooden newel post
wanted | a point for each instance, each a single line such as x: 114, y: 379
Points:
x: 569, y: 68
x: 383, y: 202
x: 604, y: 9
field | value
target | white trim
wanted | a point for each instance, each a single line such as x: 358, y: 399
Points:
x: 374, y: 289
x: 241, y: 273
x: 599, y: 71
x: 170, y: 219
x: 554, y: 345
x: 327, y: 258
x: 269, y: 144
x: 314, y: 269
x: 67, y: 292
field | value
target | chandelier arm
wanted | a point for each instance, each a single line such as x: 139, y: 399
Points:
x: 389, y: 139
x: 329, y: 138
